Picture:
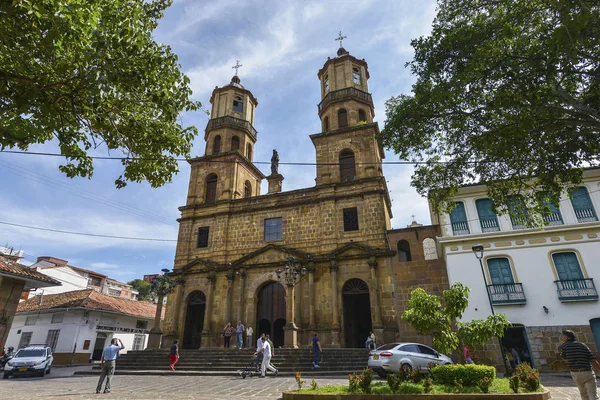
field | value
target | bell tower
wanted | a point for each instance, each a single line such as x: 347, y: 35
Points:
x: 226, y: 171
x: 348, y: 134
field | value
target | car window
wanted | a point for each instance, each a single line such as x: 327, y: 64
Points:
x: 388, y: 346
x: 412, y: 348
x: 427, y: 350
x: 30, y: 353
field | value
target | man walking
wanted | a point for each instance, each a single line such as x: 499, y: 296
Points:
x: 107, y: 363
x: 266, y: 362
x: 249, y: 333
x: 316, y: 349
x: 259, y: 346
x: 239, y: 335
x: 174, y: 355
x: 580, y: 360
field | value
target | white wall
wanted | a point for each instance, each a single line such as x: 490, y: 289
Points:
x: 534, y: 270
x: 70, y: 280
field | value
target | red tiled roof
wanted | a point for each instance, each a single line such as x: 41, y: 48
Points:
x: 19, y: 270
x: 89, y: 299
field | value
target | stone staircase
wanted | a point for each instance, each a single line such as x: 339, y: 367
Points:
x: 288, y: 361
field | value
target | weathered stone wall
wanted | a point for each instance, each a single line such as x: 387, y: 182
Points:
x: 10, y: 293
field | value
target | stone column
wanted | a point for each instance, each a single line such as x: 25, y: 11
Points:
x: 156, y: 333
x: 230, y: 277
x: 206, y: 340
x: 291, y: 330
x: 311, y: 296
x: 241, y: 296
x: 374, y: 297
x: 275, y: 183
x: 335, y: 326
x: 176, y: 332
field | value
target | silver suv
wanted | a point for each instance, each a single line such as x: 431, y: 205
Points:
x: 30, y: 360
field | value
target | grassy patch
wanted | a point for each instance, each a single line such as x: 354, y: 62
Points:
x: 500, y: 385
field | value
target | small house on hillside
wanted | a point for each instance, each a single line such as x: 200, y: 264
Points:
x: 77, y: 325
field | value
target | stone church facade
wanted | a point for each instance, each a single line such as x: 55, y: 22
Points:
x: 233, y: 239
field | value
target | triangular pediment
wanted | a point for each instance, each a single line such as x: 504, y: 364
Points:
x: 200, y: 264
x: 355, y: 250
x: 272, y: 254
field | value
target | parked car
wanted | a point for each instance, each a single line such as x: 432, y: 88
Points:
x: 31, y: 360
x: 408, y: 356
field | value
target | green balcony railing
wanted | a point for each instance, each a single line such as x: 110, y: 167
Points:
x: 507, y: 293
x: 576, y: 290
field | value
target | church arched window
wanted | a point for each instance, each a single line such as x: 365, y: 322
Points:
x: 326, y: 124
x: 347, y: 166
x: 238, y: 104
x: 342, y: 118
x: 249, y: 151
x: 235, y: 143
x: 326, y: 83
x: 403, y: 251
x: 362, y: 116
x: 430, y: 249
x: 247, y: 189
x: 211, y: 188
x: 356, y: 75
x: 217, y: 145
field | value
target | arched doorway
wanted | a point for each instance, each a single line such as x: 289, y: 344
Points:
x: 357, y: 312
x: 270, y: 313
x: 515, y: 341
x: 194, y: 320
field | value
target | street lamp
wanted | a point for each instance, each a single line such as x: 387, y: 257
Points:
x: 291, y: 275
x: 478, y: 251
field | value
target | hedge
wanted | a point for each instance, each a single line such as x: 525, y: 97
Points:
x: 470, y: 374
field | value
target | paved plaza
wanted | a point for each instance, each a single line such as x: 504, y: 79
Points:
x: 61, y: 384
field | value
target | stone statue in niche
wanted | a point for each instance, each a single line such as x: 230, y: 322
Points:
x: 274, y: 163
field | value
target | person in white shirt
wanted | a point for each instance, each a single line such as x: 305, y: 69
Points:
x: 266, y: 351
x: 249, y: 333
x: 259, y: 346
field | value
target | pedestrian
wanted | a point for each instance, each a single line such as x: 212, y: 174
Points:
x: 316, y: 349
x: 580, y: 360
x: 467, y: 354
x: 266, y: 362
x: 227, y: 333
x: 515, y: 355
x: 174, y: 355
x: 239, y: 333
x: 107, y: 364
x: 249, y: 333
x: 370, y: 343
x: 268, y: 339
x: 259, y: 346
x: 509, y: 358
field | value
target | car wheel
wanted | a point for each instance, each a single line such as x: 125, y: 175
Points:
x: 382, y: 375
x: 406, y: 367
x: 42, y: 373
x: 5, y: 376
x: 49, y: 370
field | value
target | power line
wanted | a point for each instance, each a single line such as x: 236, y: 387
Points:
x: 87, y: 234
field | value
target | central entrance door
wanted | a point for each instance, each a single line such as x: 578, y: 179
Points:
x: 194, y: 320
x: 270, y: 313
x: 357, y: 313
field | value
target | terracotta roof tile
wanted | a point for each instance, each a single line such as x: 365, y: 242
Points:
x: 89, y: 299
x: 20, y: 270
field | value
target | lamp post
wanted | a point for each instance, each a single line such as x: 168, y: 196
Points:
x: 478, y: 251
x: 161, y: 286
x: 291, y: 275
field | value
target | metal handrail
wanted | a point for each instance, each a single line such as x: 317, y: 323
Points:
x: 576, y: 289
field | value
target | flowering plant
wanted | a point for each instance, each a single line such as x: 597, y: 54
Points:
x: 299, y: 380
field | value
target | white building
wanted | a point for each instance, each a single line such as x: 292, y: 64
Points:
x: 542, y: 279
x: 79, y: 324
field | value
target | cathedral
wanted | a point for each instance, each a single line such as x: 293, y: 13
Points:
x: 287, y: 263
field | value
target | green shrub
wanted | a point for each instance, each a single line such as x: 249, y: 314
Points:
x: 529, y: 378
x: 427, y: 385
x: 365, y: 380
x: 314, y: 385
x: 470, y: 374
x: 484, y: 384
x: 458, y: 385
x: 393, y: 381
x: 353, y: 383
x: 416, y: 376
x: 513, y: 381
x: 410, y: 388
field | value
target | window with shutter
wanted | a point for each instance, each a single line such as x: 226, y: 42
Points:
x: 238, y: 104
x: 582, y: 205
x: 347, y: 166
x: 203, y: 236
x: 403, y: 251
x: 458, y: 219
x: 211, y: 188
x: 326, y: 124
x: 362, y: 116
x: 519, y: 215
x: 500, y: 271
x: 342, y: 118
x: 567, y: 266
x: 247, y: 189
x: 235, y: 143
x: 356, y: 76
x: 249, y: 151
x: 487, y: 217
x: 350, y: 219
x: 273, y: 229
x: 217, y: 145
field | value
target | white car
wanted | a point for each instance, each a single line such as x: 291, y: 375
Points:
x: 408, y: 356
x: 31, y: 360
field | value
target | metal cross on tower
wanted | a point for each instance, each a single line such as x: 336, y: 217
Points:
x: 340, y: 38
x: 413, y: 216
x: 237, y: 66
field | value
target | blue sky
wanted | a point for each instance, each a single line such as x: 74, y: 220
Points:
x: 281, y: 45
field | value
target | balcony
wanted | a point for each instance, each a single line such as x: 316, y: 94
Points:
x: 345, y: 93
x: 576, y: 290
x: 553, y: 219
x: 233, y: 122
x: 507, y: 293
x: 460, y: 228
x: 489, y: 225
x: 520, y: 222
x: 585, y: 215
